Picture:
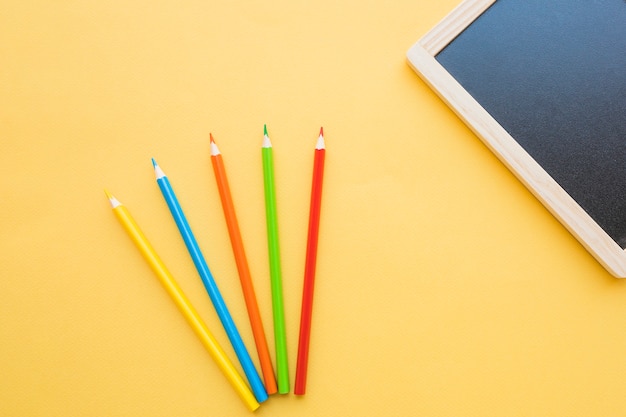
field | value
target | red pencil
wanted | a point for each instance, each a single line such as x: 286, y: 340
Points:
x: 309, y: 268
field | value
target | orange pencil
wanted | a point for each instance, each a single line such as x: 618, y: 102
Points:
x: 243, y: 269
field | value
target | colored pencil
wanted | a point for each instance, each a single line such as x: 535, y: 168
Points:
x: 209, y: 283
x: 242, y: 267
x: 309, y: 268
x: 278, y: 308
x: 182, y: 302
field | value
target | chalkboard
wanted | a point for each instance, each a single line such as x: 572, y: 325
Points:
x: 543, y: 84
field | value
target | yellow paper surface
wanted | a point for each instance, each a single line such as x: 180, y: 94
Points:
x: 443, y: 287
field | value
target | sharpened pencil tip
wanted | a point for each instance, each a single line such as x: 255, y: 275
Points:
x: 266, y: 138
x: 214, y: 149
x: 211, y: 138
x: 320, y: 141
x: 157, y: 170
x: 266, y: 142
x: 112, y: 200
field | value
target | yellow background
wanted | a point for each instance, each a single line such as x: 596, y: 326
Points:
x: 443, y: 287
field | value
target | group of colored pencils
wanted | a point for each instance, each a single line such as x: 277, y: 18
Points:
x: 254, y: 391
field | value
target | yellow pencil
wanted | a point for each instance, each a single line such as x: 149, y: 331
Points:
x: 183, y: 304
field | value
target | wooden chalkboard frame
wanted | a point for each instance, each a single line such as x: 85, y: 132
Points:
x: 421, y: 57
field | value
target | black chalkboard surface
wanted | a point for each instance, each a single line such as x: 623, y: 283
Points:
x: 543, y: 83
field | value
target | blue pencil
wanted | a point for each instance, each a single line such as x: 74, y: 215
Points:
x: 209, y: 283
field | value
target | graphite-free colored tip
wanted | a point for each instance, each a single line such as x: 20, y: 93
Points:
x: 211, y: 137
x: 154, y: 164
x: 265, y: 129
x: 321, y: 131
x: 112, y: 200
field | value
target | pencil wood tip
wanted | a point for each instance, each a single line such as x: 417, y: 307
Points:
x: 266, y: 138
x: 157, y: 170
x: 320, y: 141
x: 214, y: 149
x: 266, y: 142
x: 112, y: 200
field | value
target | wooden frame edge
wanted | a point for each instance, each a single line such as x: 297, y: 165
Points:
x: 453, y: 24
x: 421, y: 57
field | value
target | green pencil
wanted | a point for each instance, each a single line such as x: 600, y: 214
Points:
x: 280, y: 337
